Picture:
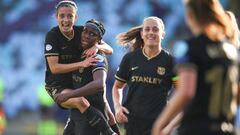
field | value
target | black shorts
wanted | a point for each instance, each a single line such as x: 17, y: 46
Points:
x: 138, y: 126
x: 79, y: 127
x: 54, y: 88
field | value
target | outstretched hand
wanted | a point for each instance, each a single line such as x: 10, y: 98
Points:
x: 61, y: 97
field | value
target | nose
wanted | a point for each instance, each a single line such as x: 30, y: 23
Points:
x: 65, y: 19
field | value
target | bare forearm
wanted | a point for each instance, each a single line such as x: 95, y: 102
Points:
x: 117, y: 98
x: 176, y: 121
x: 65, y: 68
x: 59, y: 68
x: 88, y: 89
x: 107, y: 49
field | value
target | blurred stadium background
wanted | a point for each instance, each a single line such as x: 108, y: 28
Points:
x: 25, y: 108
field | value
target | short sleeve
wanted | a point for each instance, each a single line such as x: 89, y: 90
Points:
x: 123, y: 69
x: 51, y: 44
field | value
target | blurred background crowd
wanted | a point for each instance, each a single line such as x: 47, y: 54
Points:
x: 25, y: 108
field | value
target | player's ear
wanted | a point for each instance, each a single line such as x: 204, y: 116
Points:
x: 163, y: 35
x: 100, y: 41
x: 141, y: 33
x: 76, y: 17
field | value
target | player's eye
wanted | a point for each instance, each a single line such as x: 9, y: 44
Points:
x: 146, y: 29
x: 70, y: 16
x: 155, y: 29
x: 92, y: 34
x: 61, y: 16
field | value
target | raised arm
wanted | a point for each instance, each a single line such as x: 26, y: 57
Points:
x: 106, y: 48
x: 103, y: 46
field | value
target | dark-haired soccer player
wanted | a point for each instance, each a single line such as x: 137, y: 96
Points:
x: 91, y: 83
x: 63, y: 50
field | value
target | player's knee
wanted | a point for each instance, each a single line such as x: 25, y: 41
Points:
x: 66, y: 90
x: 82, y: 102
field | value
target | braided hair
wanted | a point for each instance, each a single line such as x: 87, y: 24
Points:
x: 97, y: 25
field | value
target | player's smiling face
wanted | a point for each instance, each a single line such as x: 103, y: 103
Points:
x: 66, y: 17
x: 89, y: 37
x: 152, y: 32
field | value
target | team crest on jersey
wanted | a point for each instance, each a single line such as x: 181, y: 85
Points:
x: 161, y: 70
x: 80, y: 70
x: 48, y: 47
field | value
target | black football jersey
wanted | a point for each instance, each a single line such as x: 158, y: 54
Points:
x: 148, y: 80
x: 217, y: 69
x: 68, y: 51
x: 82, y: 77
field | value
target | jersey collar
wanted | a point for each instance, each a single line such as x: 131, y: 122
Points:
x: 149, y: 58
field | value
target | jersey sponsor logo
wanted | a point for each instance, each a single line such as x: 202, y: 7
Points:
x: 48, y: 47
x: 134, y: 68
x: 161, y: 70
x: 66, y: 57
x: 77, y: 78
x: 80, y: 70
x: 146, y: 79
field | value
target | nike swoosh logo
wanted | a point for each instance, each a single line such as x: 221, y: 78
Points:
x: 134, y: 68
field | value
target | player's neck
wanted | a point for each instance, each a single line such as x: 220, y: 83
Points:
x: 68, y: 35
x: 151, y: 52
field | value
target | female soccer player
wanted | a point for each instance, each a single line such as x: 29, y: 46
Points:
x: 63, y: 49
x: 208, y: 69
x: 147, y: 71
x: 91, y: 83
